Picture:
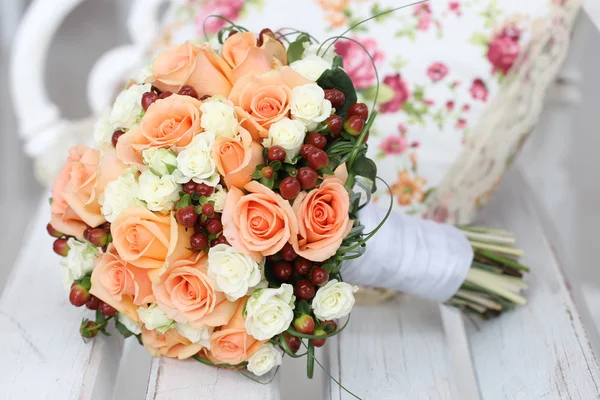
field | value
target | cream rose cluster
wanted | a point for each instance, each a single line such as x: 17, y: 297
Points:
x: 269, y: 312
x: 235, y: 273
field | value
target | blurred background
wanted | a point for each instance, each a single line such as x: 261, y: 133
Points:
x: 559, y: 161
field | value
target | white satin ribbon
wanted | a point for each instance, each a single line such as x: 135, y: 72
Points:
x: 411, y: 255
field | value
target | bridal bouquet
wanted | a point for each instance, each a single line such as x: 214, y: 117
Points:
x: 229, y: 193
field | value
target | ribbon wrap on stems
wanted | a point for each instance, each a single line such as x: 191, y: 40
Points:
x: 408, y: 254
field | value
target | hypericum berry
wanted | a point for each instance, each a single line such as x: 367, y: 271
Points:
x: 276, y: 153
x: 106, y: 226
x: 186, y: 216
x: 359, y: 109
x: 204, y: 190
x: 115, y: 137
x: 106, y: 309
x: 293, y: 342
x: 61, y: 247
x: 336, y: 98
x: 93, y: 303
x: 214, y: 226
x: 187, y: 90
x: 354, y: 125
x: 98, y: 237
x: 316, y: 139
x: 205, y: 97
x: 288, y: 253
x: 208, y: 209
x: 53, y: 232
x: 283, y: 271
x: 199, y: 241
x: 147, y: 99
x: 319, y: 342
x: 319, y: 276
x: 267, y: 172
x: 78, y: 295
x: 329, y: 326
x: 221, y: 240
x: 317, y: 159
x: 302, y: 266
x: 86, y: 233
x: 86, y: 330
x: 335, y: 124
x: 289, y: 188
x: 304, y: 289
x: 307, y: 177
x: 305, y: 324
x: 307, y: 149
x: 165, y: 94
x: 190, y: 187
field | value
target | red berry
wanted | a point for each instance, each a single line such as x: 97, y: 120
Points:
x: 93, y: 303
x: 319, y: 276
x: 302, y: 266
x: 335, y: 124
x: 293, y: 342
x: 61, y: 247
x: 316, y: 139
x: 98, y: 237
x: 319, y: 342
x: 147, y: 99
x: 359, y: 109
x: 115, y: 137
x: 329, y: 326
x: 288, y: 253
x: 164, y: 94
x: 205, y: 97
x: 267, y: 172
x: 317, y: 159
x: 354, y: 125
x: 289, y: 188
x: 304, y: 290
x: 106, y: 309
x: 78, y: 295
x: 276, y: 153
x: 305, y: 324
x: 204, y: 190
x: 199, y: 241
x: 106, y: 226
x: 190, y: 187
x: 307, y: 149
x: 86, y: 233
x: 186, y: 216
x: 336, y: 98
x: 221, y: 240
x: 214, y: 226
x: 188, y: 91
x: 53, y: 232
x: 307, y: 177
x: 283, y: 271
x: 87, y: 331
x: 208, y: 209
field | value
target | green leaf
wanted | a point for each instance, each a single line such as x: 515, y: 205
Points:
x: 257, y: 174
x: 276, y: 165
x: 386, y: 94
x: 99, y: 317
x: 185, y: 200
x: 268, y: 182
x: 338, y: 79
x: 50, y: 200
x: 296, y: 48
x: 303, y: 308
x: 338, y: 62
x: 122, y: 329
x: 195, y: 196
x: 86, y: 282
x: 367, y: 168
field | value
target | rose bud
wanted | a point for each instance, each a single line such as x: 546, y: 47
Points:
x: 319, y: 342
x: 305, y: 324
x: 98, y: 237
x: 61, y: 247
x: 293, y: 342
x: 53, y: 232
x: 79, y: 295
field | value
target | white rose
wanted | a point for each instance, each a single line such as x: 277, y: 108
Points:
x: 160, y: 161
x: 127, y: 109
x: 143, y: 74
x: 103, y: 130
x: 121, y: 194
x: 234, y: 272
x: 219, y: 118
x: 218, y: 198
x: 131, y: 325
x: 334, y: 300
x: 78, y: 262
x: 311, y: 67
x: 289, y: 134
x: 265, y: 359
x: 154, y: 318
x: 270, y: 312
x: 196, y: 163
x: 309, y: 105
x: 194, y: 335
x: 159, y: 192
x: 313, y: 49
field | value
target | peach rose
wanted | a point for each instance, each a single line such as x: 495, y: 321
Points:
x: 77, y: 188
x: 120, y: 284
x: 170, y: 344
x: 259, y: 223
x: 148, y: 240
x: 237, y: 158
x: 186, y: 294
x: 261, y: 100
x: 231, y: 344
x: 323, y: 220
x: 168, y: 123
x: 190, y: 64
x: 242, y: 52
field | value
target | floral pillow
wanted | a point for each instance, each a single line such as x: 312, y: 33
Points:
x: 462, y: 82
